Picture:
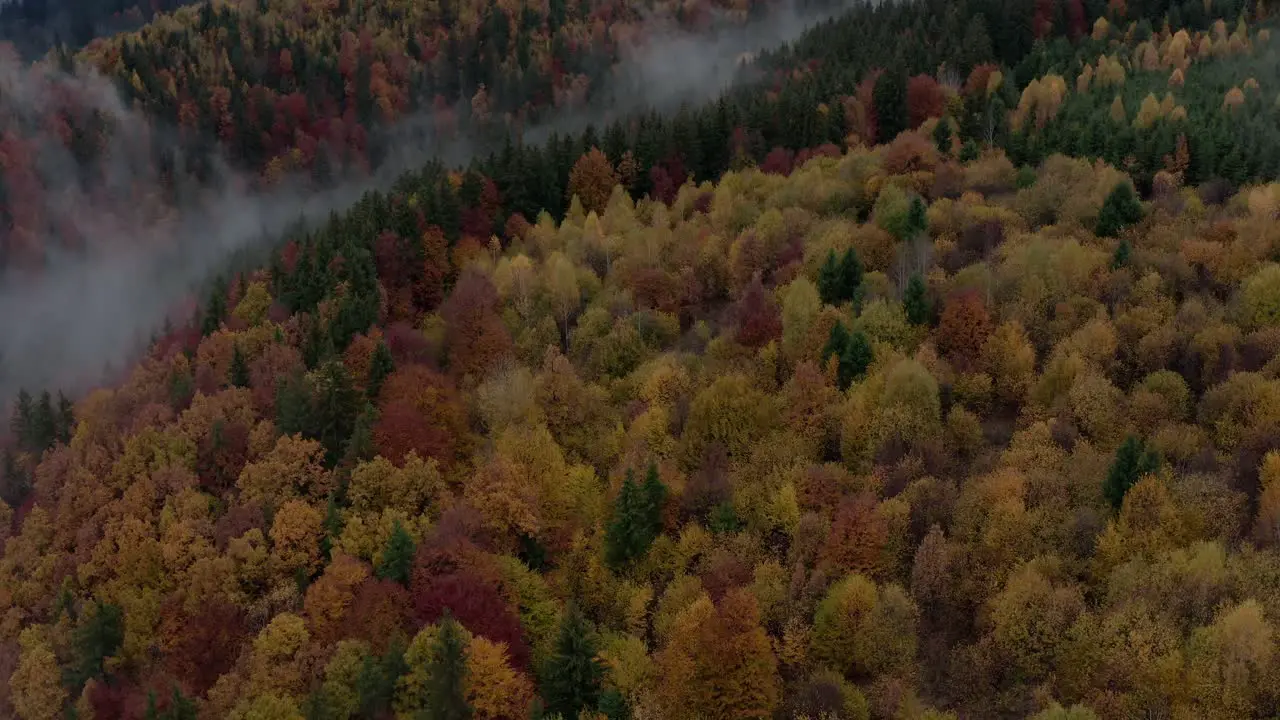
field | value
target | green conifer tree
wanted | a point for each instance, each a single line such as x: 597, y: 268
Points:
x: 239, y: 372
x: 1120, y: 210
x: 572, y: 677
x: 337, y: 404
x: 855, y: 358
x: 829, y: 279
x: 1132, y: 461
x: 620, y: 536
x: 447, y: 674
x: 1122, y: 255
x: 942, y: 136
x: 397, y: 557
x: 915, y: 301
x: 850, y: 274
x: 380, y: 366
x: 836, y: 341
x: 98, y: 637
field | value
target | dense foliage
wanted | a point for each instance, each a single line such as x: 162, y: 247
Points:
x: 847, y: 395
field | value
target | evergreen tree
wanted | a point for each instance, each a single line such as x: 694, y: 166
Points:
x: 96, y: 638
x: 380, y: 366
x: 614, y: 706
x: 1120, y: 210
x: 336, y: 405
x: 332, y: 527
x: 942, y: 136
x: 829, y: 279
x: 447, y: 674
x: 855, y: 358
x: 836, y: 341
x: 915, y: 301
x: 20, y: 422
x: 294, y: 405
x: 239, y: 372
x: 1122, y: 255
x: 376, y: 683
x: 620, y: 536
x: 850, y: 274
x: 1132, y: 461
x: 917, y: 218
x: 397, y: 557
x: 969, y: 152
x: 215, y: 309
x: 572, y: 677
x: 360, y: 444
x: 653, y: 495
x: 890, y: 99
x: 66, y: 419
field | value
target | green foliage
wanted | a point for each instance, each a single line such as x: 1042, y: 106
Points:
x: 98, y: 636
x: 397, y: 557
x: 238, y: 374
x: 1132, y: 461
x: 336, y: 405
x: 179, y: 708
x: 637, y: 518
x: 614, y: 706
x: 969, y: 151
x: 376, y: 683
x: 890, y: 99
x: 915, y: 301
x: 571, y: 679
x: 853, y: 352
x: 942, y: 136
x: 1120, y: 210
x: 839, y: 281
x: 1122, y: 256
x: 446, y: 675
x: 380, y: 366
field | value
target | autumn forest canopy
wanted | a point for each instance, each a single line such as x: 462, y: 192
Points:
x: 928, y: 372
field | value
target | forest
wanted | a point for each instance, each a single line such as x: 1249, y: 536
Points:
x: 928, y: 373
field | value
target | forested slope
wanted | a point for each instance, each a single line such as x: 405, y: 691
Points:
x: 847, y: 395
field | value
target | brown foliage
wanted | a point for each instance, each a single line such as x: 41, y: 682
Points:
x: 475, y: 337
x: 592, y: 179
x: 419, y: 410
x: 963, y: 328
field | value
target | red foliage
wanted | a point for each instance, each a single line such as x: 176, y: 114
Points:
x: 221, y: 455
x: 475, y: 335
x: 758, y: 317
x: 963, y: 328
x: 866, y: 98
x: 1077, y: 22
x: 473, y: 596
x: 409, y: 346
x: 925, y: 99
x: 779, y: 161
x: 381, y: 610
x: 978, y: 77
x: 725, y: 571
x: 276, y: 361
x: 857, y: 536
x: 237, y: 521
x: 420, y: 410
x: 202, y: 646
x: 429, y: 291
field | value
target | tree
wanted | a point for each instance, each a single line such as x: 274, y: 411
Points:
x: 1122, y: 255
x: 381, y: 365
x: 890, y: 99
x: 36, y: 684
x: 850, y: 273
x: 963, y: 328
x: 855, y: 358
x: 1132, y: 461
x: 98, y: 637
x: 637, y: 518
x: 915, y: 301
x: 942, y: 136
x: 446, y: 697
x: 758, y: 315
x: 238, y: 374
x: 829, y: 279
x: 1120, y: 210
x: 592, y: 179
x: 397, y: 557
x: 572, y: 677
x: 336, y: 404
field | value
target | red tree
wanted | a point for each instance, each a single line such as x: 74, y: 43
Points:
x: 759, y: 319
x: 420, y: 411
x: 963, y: 328
x: 475, y: 336
x: 925, y: 99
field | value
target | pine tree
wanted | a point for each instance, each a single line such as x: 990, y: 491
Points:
x: 376, y: 683
x: 239, y: 372
x: 1120, y: 210
x: 380, y: 366
x: 397, y: 557
x: 915, y: 301
x: 829, y: 279
x: 890, y: 99
x: 447, y: 674
x: 20, y: 422
x: 654, y: 495
x: 969, y: 152
x: 294, y: 405
x: 44, y: 424
x: 614, y: 706
x: 854, y: 359
x: 619, y: 537
x: 1132, y: 461
x: 917, y: 218
x: 216, y: 308
x: 332, y: 527
x: 573, y: 673
x: 66, y: 419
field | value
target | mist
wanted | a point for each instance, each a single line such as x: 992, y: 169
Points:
x: 98, y: 306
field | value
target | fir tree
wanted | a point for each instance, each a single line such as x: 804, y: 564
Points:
x: 336, y: 404
x: 890, y: 99
x: 20, y: 422
x: 376, y: 683
x: 1120, y: 210
x: 397, y: 557
x: 447, y: 674
x: 917, y: 218
x: 239, y: 372
x: 620, y: 536
x: 332, y: 527
x: 66, y: 419
x: 969, y: 152
x: 1132, y: 461
x: 573, y: 673
x: 915, y: 301
x: 614, y: 706
x: 380, y: 366
x: 836, y: 341
x: 294, y: 405
x: 215, y: 309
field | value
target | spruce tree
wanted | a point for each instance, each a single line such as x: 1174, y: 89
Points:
x: 294, y: 405
x: 215, y: 309
x: 446, y: 697
x: 380, y: 366
x: 66, y: 419
x: 20, y: 422
x: 238, y: 375
x: 1122, y: 255
x: 915, y: 301
x: 829, y: 279
x: 836, y: 341
x: 620, y: 536
x: 571, y: 680
x: 337, y: 403
x: 397, y: 557
x: 917, y: 218
x: 44, y: 424
x: 1132, y: 461
x: 890, y: 99
x: 969, y: 152
x: 654, y: 495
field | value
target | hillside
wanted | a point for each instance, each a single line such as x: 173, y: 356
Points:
x: 938, y: 392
